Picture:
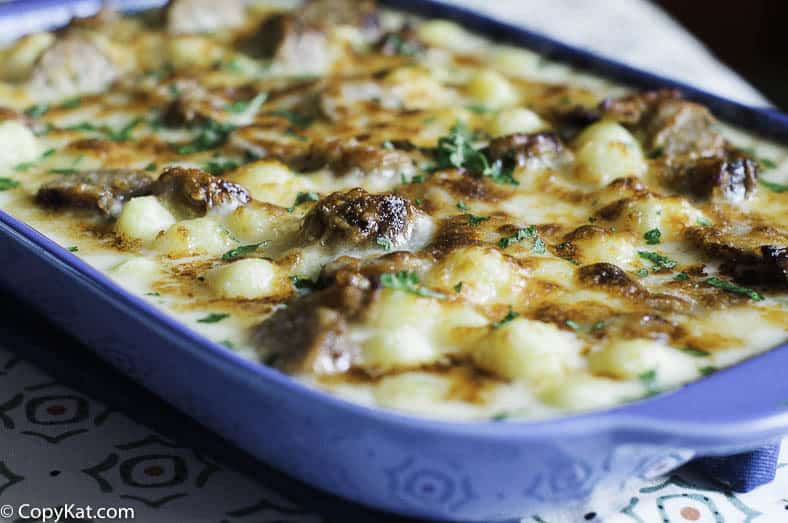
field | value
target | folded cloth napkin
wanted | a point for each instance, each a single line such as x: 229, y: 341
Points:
x: 742, y: 472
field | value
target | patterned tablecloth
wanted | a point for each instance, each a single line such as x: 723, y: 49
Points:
x: 77, y: 433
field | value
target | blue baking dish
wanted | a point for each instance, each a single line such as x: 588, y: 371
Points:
x: 484, y: 471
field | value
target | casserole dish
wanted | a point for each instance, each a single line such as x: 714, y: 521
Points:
x: 484, y: 471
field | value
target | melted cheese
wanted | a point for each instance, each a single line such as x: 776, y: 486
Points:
x: 509, y: 327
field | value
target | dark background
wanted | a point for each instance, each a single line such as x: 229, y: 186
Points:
x: 749, y: 36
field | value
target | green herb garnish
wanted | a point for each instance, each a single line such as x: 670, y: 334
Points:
x: 240, y: 252
x: 214, y: 317
x: 653, y: 236
x: 705, y: 371
x: 124, y: 133
x: 218, y: 167
x: 773, y: 186
x: 703, y: 222
x: 245, y: 105
x: 457, y: 150
x: 458, y: 287
x: 211, y: 134
x: 696, y: 353
x: 598, y: 325
x: 154, y: 294
x: 71, y: 103
x: 461, y: 205
x: 384, y: 243
x: 520, y: 235
x: 73, y: 248
x: 48, y: 153
x: 37, y: 111
x: 501, y: 416
x: 474, y: 220
x: 733, y: 288
x: 656, y: 153
x: 572, y: 325
x: 767, y: 164
x: 649, y: 381
x: 151, y: 166
x: 659, y: 261
x: 24, y: 166
x: 642, y: 272
x: 479, y: 109
x: 66, y: 170
x: 682, y: 276
x: 510, y: 316
x: 302, y: 283
x: 408, y: 281
x: 303, y: 197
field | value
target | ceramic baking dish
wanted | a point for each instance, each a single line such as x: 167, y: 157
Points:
x: 484, y: 471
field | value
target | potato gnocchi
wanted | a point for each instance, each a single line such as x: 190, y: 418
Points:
x: 396, y: 210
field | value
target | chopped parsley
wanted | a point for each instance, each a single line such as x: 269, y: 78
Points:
x: 474, y: 220
x: 303, y: 197
x: 461, y: 205
x: 214, y: 317
x: 419, y: 201
x: 696, y: 353
x: 228, y: 344
x: 384, y: 243
x: 400, y: 46
x: 73, y: 248
x: 705, y: 371
x: 521, y: 234
x: 302, y: 283
x: 656, y: 153
x: 773, y: 186
x: 649, y: 381
x: 388, y: 145
x: 733, y: 288
x: 682, y: 276
x: 211, y: 134
x: 48, y: 153
x: 767, y: 164
x: 124, y: 133
x: 510, y: 316
x: 501, y: 416
x: 703, y: 222
x: 71, y: 103
x: 642, y: 272
x: 240, y: 252
x: 81, y: 126
x: 408, y: 281
x: 598, y: 325
x: 458, y: 287
x: 245, y: 105
x: 457, y: 150
x: 297, y: 119
x: 659, y: 261
x: 479, y: 109
x: 66, y: 170
x: 154, y: 294
x: 37, y: 111
x: 419, y: 178
x: 24, y: 166
x: 219, y: 166
x: 653, y: 236
x: 572, y: 325
x: 151, y: 166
